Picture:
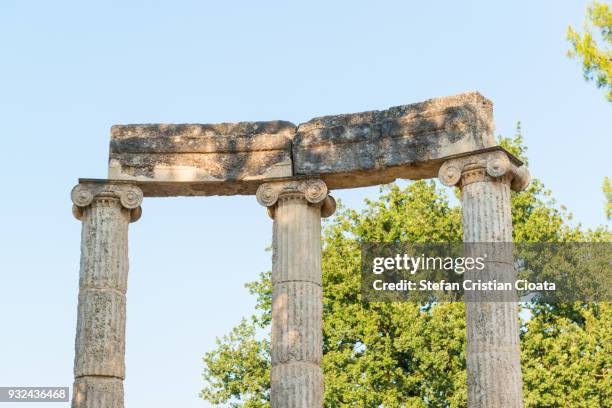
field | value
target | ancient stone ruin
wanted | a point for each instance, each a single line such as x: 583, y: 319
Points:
x: 291, y: 171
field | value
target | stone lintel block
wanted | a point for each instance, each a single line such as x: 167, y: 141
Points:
x: 345, y: 151
x: 367, y: 148
x: 207, y: 152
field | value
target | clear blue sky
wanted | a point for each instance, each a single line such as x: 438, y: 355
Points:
x: 70, y: 70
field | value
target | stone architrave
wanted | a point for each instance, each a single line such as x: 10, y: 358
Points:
x: 345, y: 151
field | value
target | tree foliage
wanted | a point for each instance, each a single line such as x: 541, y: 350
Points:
x: 410, y: 355
x: 567, y: 356
x: 596, y: 58
x: 607, y: 189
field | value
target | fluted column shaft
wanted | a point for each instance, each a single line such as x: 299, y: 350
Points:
x: 493, y: 352
x: 99, y: 368
x: 296, y: 340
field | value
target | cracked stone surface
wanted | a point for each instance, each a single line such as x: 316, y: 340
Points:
x: 345, y: 151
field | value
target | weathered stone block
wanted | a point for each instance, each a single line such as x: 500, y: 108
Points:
x: 297, y: 385
x: 104, y: 260
x: 100, y: 338
x: 97, y: 392
x: 191, y: 152
x: 297, y: 320
x: 345, y: 151
x: 405, y: 141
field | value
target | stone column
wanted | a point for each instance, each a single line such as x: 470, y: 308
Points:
x: 493, y: 352
x: 105, y: 210
x: 297, y: 301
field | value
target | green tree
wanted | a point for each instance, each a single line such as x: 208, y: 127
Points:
x: 596, y: 59
x: 567, y: 356
x: 409, y: 355
x: 607, y: 189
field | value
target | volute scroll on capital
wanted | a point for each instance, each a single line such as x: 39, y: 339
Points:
x: 481, y: 166
x: 129, y: 196
x: 313, y: 191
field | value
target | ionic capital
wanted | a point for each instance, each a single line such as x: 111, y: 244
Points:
x: 487, y: 166
x: 313, y: 191
x: 128, y: 196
